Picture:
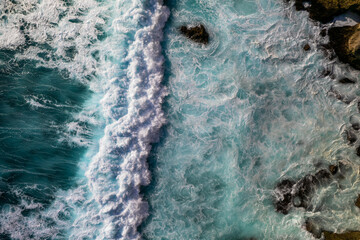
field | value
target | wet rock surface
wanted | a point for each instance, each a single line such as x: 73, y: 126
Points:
x: 197, y: 34
x: 346, y: 43
x: 307, y: 47
x: 312, y: 228
x: 284, y: 196
x: 289, y: 193
x: 347, y: 81
x: 341, y: 236
x: 333, y: 169
x: 357, y: 202
x: 325, y: 10
x: 350, y: 137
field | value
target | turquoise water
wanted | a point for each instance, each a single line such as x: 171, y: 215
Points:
x: 115, y: 126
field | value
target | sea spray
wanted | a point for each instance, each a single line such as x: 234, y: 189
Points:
x: 120, y: 168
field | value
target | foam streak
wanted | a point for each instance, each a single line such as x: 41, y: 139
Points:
x: 119, y: 169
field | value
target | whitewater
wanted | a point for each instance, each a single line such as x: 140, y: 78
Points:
x: 125, y: 72
x: 113, y: 125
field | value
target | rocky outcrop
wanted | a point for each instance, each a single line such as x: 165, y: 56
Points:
x: 325, y: 10
x: 197, y: 34
x: 341, y: 236
x: 357, y: 202
x: 289, y: 193
x: 346, y: 43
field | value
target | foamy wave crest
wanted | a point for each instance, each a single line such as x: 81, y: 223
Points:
x: 120, y: 168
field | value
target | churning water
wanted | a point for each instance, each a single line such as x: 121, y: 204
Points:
x: 115, y: 126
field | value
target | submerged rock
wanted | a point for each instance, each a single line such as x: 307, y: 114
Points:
x: 283, y: 196
x: 357, y: 202
x: 298, y: 194
x: 333, y: 169
x: 355, y: 126
x: 312, y: 228
x: 346, y: 43
x: 341, y: 236
x: 358, y: 151
x: 350, y: 137
x: 347, y: 81
x: 197, y: 34
x: 307, y: 47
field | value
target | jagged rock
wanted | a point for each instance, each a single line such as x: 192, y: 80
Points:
x: 347, y: 81
x: 323, y: 32
x: 358, y: 151
x: 197, y: 34
x: 323, y: 175
x: 342, y: 236
x: 283, y: 196
x: 333, y: 169
x: 346, y: 43
x: 355, y: 126
x: 313, y: 229
x: 357, y: 202
x: 289, y: 194
x: 325, y: 10
x: 307, y: 47
x: 350, y: 137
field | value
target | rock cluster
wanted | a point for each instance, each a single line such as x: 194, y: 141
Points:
x: 325, y: 10
x: 344, y: 40
x: 289, y: 193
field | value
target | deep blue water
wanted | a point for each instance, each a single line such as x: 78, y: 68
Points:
x: 115, y: 126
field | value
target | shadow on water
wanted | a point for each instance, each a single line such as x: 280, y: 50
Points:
x: 36, y: 103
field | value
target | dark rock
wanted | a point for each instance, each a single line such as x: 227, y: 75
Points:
x: 307, y: 47
x: 283, y: 196
x: 338, y: 96
x: 312, y: 228
x: 357, y: 202
x: 323, y: 33
x: 327, y: 72
x: 358, y: 151
x: 323, y: 175
x: 304, y: 188
x: 350, y: 137
x: 333, y: 169
x: 197, y: 34
x: 299, y: 5
x: 325, y: 10
x: 346, y: 43
x: 341, y: 236
x: 347, y: 81
x: 355, y: 126
x: 358, y: 106
x: 289, y: 194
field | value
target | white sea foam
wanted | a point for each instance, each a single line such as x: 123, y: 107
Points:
x: 55, y: 34
x: 119, y: 169
x: 128, y: 65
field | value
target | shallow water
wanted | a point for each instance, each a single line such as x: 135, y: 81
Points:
x: 88, y: 87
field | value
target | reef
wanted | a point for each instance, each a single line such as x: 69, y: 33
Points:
x: 197, y: 34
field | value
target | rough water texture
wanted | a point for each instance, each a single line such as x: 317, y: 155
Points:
x: 112, y: 49
x: 88, y: 87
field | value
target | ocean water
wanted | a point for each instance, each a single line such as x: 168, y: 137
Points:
x: 115, y: 126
